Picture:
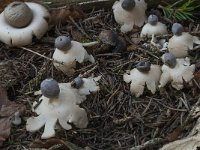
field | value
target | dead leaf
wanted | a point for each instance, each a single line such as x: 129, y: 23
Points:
x: 175, y: 134
x: 197, y: 76
x: 136, y: 29
x: 7, y: 109
x: 5, y: 124
x: 3, y: 97
x: 55, y: 144
x: 11, y: 108
x: 132, y: 48
x: 61, y: 15
x: 76, y: 35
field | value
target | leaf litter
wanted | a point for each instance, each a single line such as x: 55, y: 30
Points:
x: 118, y: 120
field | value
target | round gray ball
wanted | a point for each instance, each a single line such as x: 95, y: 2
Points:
x: 50, y: 88
x: 128, y: 4
x: 177, y: 29
x: 143, y: 66
x: 63, y: 43
x: 18, y: 14
x: 152, y: 19
x: 77, y: 82
x: 169, y: 59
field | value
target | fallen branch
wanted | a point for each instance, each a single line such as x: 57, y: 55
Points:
x: 29, y: 50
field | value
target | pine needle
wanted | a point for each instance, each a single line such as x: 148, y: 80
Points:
x: 180, y: 10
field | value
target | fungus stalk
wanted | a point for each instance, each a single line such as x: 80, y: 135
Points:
x: 16, y: 119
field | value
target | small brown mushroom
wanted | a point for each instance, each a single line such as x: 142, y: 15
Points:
x: 111, y: 38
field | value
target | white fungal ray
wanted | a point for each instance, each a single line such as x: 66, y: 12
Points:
x: 127, y: 19
x: 139, y: 80
x: 90, y: 85
x: 183, y: 71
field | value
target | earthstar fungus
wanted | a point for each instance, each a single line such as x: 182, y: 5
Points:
x: 181, y: 42
x: 21, y: 21
x: 176, y: 71
x: 60, y: 103
x: 143, y: 74
x: 153, y: 27
x: 69, y: 52
x: 128, y: 13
